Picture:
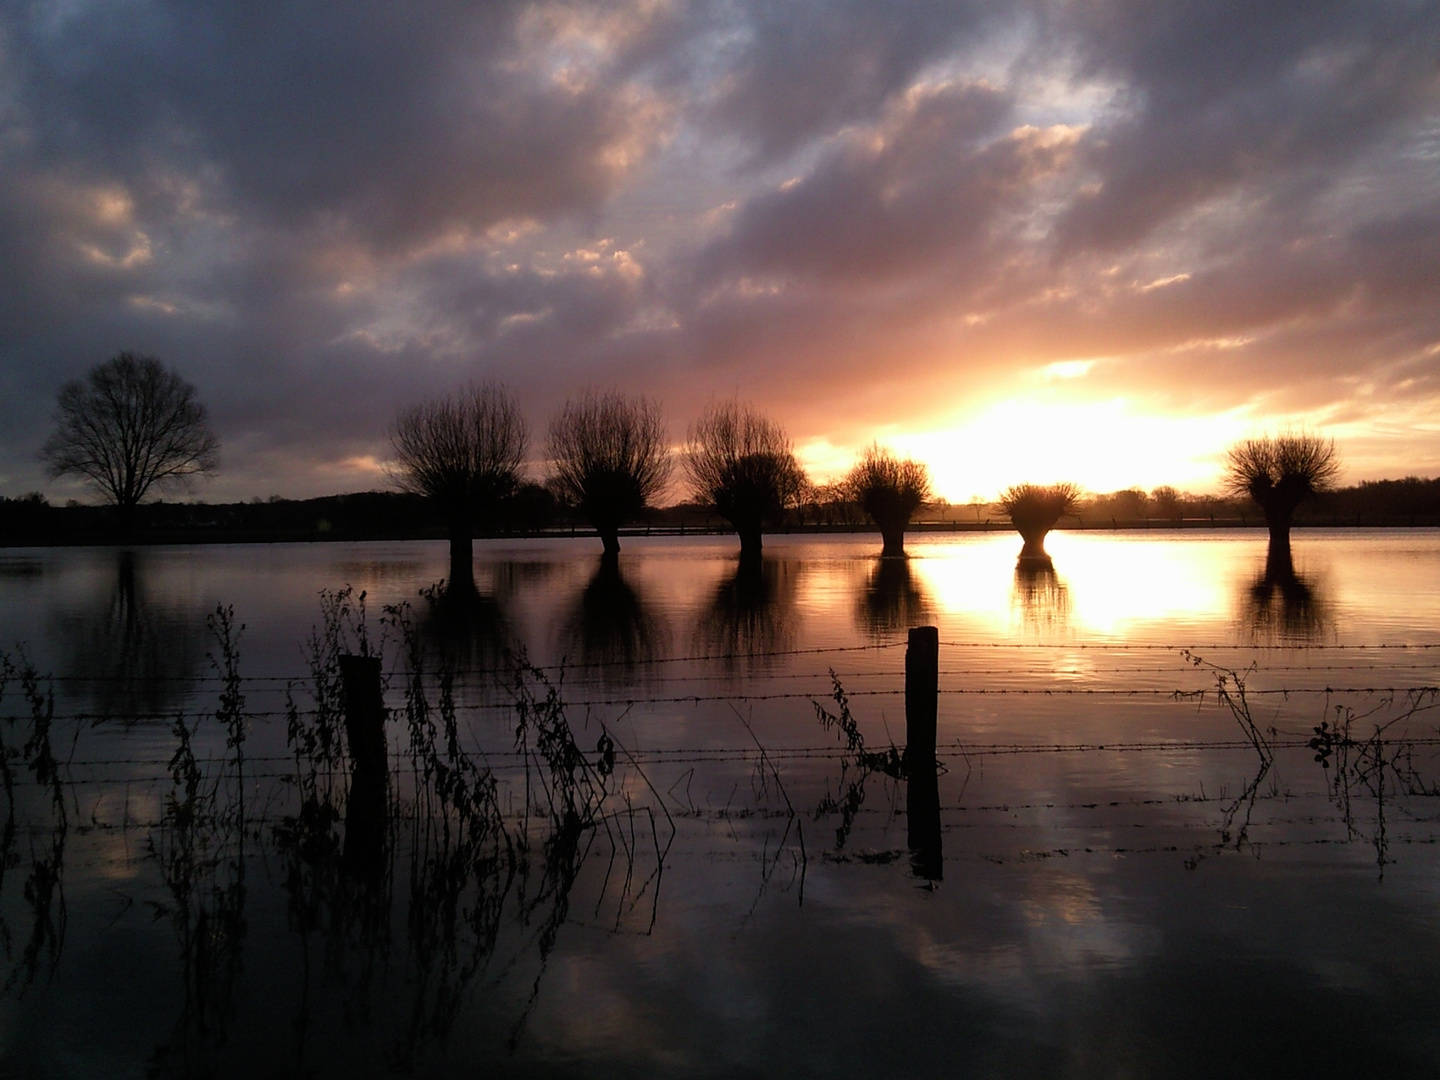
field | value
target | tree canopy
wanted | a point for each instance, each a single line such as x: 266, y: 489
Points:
x: 740, y: 463
x: 890, y: 491
x: 129, y: 426
x: 1280, y: 472
x: 465, y: 452
x: 608, y: 458
x: 1034, y: 510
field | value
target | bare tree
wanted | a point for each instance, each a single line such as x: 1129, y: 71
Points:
x: 129, y: 426
x: 465, y: 453
x: 1167, y: 503
x: 1280, y: 472
x: 1034, y: 510
x: 740, y: 463
x: 609, y: 459
x: 890, y: 491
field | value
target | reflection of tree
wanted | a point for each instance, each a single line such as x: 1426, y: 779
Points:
x: 1282, y: 605
x: 44, y: 888
x: 1043, y: 599
x: 752, y: 611
x: 467, y: 629
x: 611, y: 629
x: 132, y: 657
x: 892, y: 600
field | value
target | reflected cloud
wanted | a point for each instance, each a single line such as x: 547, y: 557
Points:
x: 611, y: 630
x: 1282, y: 605
x: 130, y: 656
x: 893, y: 599
x: 1041, y: 599
x: 752, y: 612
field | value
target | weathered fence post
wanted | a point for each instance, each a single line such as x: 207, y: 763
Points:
x: 365, y: 808
x: 922, y: 694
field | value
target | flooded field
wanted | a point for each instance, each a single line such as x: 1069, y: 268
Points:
x: 653, y: 817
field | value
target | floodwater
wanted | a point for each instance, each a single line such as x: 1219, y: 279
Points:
x: 620, y: 839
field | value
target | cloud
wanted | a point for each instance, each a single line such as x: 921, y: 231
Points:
x: 866, y: 217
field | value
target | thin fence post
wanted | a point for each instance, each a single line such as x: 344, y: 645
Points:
x: 922, y: 801
x: 365, y: 807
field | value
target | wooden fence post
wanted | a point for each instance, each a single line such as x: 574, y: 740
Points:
x: 922, y: 691
x: 922, y: 797
x: 365, y: 807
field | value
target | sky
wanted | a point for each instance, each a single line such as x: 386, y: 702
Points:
x: 1022, y: 241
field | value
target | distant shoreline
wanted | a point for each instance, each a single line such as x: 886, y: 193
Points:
x: 534, y: 512
x: 202, y: 535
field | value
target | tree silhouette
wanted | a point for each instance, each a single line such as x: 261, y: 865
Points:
x: 740, y: 463
x: 464, y: 453
x: 890, y: 491
x: 1034, y: 510
x: 1280, y: 472
x: 609, y: 459
x: 129, y: 426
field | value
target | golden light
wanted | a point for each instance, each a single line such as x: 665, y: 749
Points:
x: 1102, y: 446
x: 1114, y: 585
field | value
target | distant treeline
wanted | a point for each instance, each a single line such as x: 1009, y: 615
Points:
x: 380, y: 515
x: 1411, y: 501
x: 372, y: 515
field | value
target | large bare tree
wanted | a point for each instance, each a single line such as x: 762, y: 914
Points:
x: 741, y: 464
x: 465, y: 453
x: 890, y: 491
x: 1280, y: 472
x: 1034, y: 510
x: 609, y: 458
x: 129, y: 426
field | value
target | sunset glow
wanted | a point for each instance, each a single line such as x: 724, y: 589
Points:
x: 1094, y: 243
x: 1097, y: 445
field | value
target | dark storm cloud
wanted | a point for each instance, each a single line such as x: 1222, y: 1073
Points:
x: 383, y: 121
x: 802, y: 70
x: 857, y: 213
x: 1219, y: 97
x: 897, y: 199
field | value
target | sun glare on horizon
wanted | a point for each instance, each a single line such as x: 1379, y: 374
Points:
x: 1102, y: 446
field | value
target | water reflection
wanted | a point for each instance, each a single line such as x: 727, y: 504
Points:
x: 466, y: 628
x: 1042, y: 599
x: 610, y: 630
x: 131, y: 656
x: 893, y: 599
x: 1282, y: 605
x: 40, y: 815
x: 752, y: 612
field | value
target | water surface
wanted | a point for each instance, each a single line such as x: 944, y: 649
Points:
x: 1126, y: 882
